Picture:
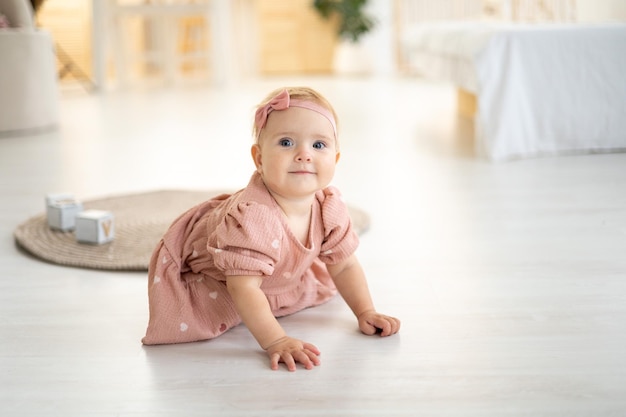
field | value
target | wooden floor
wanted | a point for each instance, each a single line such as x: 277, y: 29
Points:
x: 510, y: 278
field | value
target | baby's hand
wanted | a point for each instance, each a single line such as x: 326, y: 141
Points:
x: 371, y: 322
x: 290, y: 351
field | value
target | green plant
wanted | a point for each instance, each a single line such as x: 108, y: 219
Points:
x: 353, y: 22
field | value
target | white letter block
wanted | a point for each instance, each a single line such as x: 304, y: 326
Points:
x: 56, y: 197
x: 95, y: 226
x: 61, y: 213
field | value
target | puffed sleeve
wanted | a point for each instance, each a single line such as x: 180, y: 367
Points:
x: 340, y: 239
x: 248, y: 240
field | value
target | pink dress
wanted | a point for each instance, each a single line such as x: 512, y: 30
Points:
x: 241, y: 234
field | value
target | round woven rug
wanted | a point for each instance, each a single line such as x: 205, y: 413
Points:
x: 140, y: 222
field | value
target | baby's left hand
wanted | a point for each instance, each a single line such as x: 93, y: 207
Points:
x: 371, y: 322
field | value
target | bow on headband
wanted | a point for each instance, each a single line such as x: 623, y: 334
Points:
x: 282, y: 101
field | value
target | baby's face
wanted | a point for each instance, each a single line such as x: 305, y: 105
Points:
x: 296, y: 154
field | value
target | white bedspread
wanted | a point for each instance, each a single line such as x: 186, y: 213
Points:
x: 541, y: 89
x: 447, y: 50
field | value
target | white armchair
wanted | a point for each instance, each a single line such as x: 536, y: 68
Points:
x: 29, y: 96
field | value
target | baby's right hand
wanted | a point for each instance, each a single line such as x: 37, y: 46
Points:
x: 290, y: 351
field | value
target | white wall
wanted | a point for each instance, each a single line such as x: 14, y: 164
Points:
x: 380, y: 42
x: 601, y: 10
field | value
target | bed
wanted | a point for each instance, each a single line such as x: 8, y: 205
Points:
x: 533, y: 88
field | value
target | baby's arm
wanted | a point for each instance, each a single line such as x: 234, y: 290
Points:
x: 352, y: 285
x: 254, y: 309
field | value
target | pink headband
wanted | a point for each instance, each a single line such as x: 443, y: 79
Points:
x: 282, y: 101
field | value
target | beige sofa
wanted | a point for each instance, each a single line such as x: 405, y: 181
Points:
x: 29, y: 97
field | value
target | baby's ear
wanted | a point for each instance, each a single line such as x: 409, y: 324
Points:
x: 337, y: 157
x: 255, y: 151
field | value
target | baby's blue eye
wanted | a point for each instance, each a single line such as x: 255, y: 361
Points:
x: 285, y: 142
x: 319, y: 145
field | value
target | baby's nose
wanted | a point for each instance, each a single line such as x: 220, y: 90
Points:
x: 303, y: 156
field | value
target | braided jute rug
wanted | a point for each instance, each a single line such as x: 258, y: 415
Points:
x: 140, y: 221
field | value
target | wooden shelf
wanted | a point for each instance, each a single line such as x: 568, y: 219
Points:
x: 294, y: 38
